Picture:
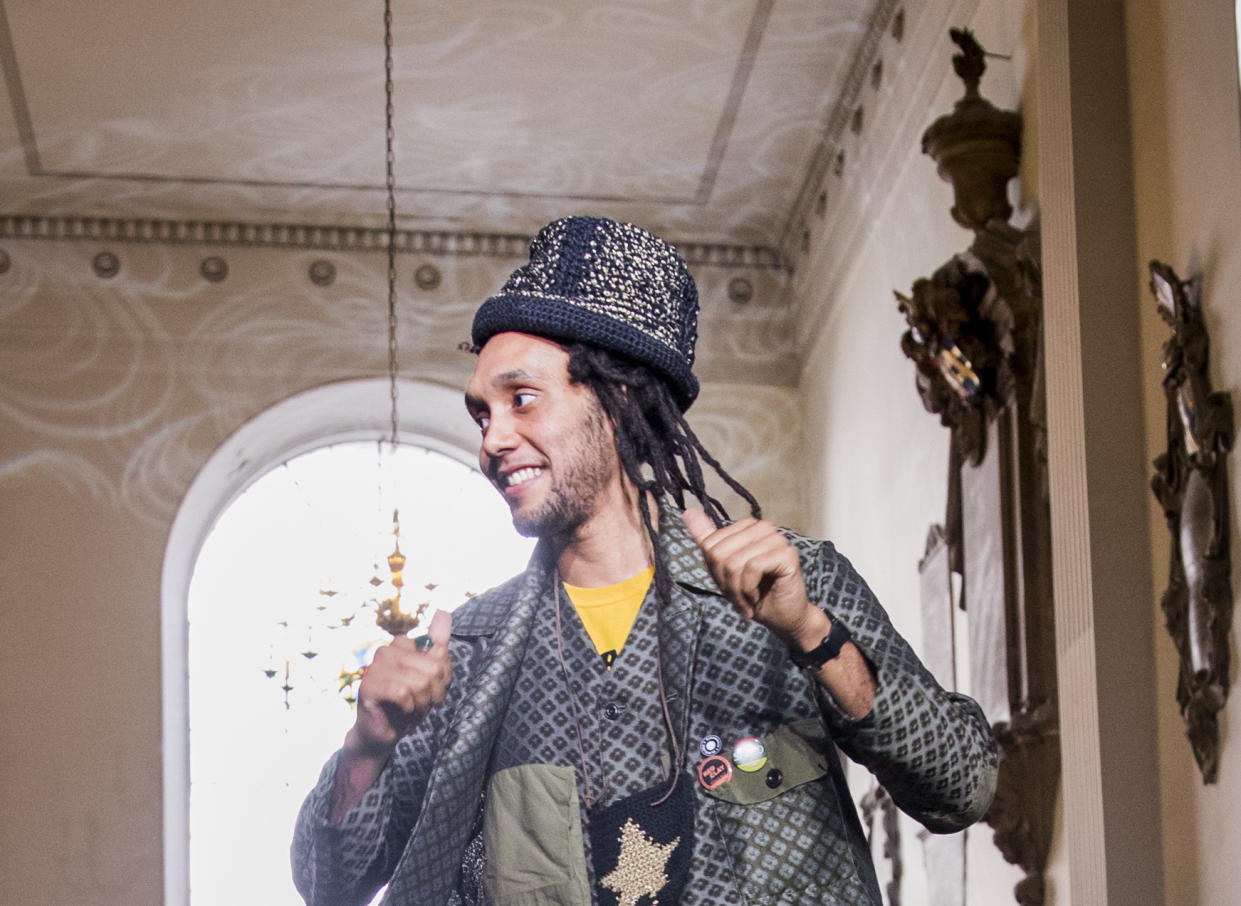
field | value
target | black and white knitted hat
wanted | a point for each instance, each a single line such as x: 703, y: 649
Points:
x: 610, y: 284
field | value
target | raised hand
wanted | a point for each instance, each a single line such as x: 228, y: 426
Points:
x: 758, y: 571
x: 403, y: 681
x: 399, y: 686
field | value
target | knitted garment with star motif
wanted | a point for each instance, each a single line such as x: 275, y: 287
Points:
x: 798, y: 842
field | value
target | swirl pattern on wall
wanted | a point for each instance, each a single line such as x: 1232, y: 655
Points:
x: 121, y: 388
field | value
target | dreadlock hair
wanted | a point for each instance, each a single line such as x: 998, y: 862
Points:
x: 651, y: 435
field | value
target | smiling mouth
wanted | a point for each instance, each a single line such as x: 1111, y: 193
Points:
x: 521, y: 476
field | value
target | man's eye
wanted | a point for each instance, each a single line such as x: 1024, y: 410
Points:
x: 523, y: 398
x: 482, y: 421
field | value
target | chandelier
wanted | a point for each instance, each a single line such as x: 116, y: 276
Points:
x: 389, y: 614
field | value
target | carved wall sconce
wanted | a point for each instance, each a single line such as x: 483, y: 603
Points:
x: 1191, y: 484
x: 975, y: 337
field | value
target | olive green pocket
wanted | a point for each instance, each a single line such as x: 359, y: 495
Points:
x: 532, y: 831
x: 795, y: 755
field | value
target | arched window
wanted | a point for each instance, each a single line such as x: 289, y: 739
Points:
x: 287, y: 552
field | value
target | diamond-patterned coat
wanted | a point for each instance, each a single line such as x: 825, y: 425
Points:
x: 796, y: 841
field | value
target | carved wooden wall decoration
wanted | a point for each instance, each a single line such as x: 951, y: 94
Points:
x: 1191, y: 484
x: 975, y: 336
x: 878, y: 800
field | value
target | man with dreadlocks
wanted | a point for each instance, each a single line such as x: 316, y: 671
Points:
x: 650, y: 713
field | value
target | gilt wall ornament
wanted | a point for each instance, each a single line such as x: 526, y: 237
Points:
x: 960, y: 339
x: 1191, y: 484
x: 974, y: 335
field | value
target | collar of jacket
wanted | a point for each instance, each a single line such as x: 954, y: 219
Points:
x: 490, y: 612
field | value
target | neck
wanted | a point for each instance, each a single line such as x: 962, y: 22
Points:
x: 609, y: 547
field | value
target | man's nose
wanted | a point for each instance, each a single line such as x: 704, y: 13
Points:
x: 500, y: 436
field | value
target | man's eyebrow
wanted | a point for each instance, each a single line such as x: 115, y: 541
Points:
x: 515, y: 376
x: 503, y: 379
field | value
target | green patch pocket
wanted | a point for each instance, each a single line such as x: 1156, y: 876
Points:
x: 532, y: 833
x: 796, y: 754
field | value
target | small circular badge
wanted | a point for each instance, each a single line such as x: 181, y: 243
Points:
x: 710, y: 745
x: 714, y: 771
x: 749, y: 754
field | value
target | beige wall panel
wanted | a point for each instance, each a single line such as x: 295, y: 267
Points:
x: 1187, y: 165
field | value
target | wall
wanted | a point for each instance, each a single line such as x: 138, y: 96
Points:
x: 1187, y: 166
x: 877, y: 462
x: 114, y: 392
x: 874, y: 486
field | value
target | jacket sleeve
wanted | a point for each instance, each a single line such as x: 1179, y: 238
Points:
x: 345, y: 863
x: 932, y: 750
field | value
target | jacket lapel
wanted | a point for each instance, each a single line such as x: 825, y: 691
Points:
x: 678, y: 624
x: 428, y: 869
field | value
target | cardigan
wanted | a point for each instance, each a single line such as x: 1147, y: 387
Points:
x: 423, y: 827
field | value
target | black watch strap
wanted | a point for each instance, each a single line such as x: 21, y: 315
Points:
x: 826, y: 650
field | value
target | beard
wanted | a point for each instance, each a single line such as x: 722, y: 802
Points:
x: 586, y: 464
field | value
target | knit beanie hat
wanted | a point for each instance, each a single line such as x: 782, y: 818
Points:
x: 608, y: 284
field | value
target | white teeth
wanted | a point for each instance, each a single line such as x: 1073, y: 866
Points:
x: 522, y: 475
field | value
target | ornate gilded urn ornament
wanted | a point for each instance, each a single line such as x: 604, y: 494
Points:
x: 977, y: 146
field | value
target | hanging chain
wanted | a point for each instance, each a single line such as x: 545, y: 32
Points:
x: 390, y: 160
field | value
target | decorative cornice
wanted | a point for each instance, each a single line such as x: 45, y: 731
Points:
x: 335, y: 238
x: 840, y: 117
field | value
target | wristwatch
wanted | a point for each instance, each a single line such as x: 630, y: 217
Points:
x: 826, y: 650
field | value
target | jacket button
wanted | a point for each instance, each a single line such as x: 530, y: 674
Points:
x: 612, y: 710
x: 774, y: 778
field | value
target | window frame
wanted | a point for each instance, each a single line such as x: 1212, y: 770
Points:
x: 430, y: 415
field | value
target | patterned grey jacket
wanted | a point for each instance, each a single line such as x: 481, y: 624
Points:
x: 421, y: 828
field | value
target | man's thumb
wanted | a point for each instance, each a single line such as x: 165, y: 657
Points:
x: 440, y: 629
x: 698, y: 523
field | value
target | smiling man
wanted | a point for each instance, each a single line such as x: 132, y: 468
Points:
x: 651, y: 712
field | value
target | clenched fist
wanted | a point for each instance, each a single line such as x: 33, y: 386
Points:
x: 398, y: 688
x: 758, y: 571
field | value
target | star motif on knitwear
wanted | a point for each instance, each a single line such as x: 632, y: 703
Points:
x: 639, y: 867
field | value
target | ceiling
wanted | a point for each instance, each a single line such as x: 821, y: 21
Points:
x: 708, y: 121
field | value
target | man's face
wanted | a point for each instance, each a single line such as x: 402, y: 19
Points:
x: 547, y: 445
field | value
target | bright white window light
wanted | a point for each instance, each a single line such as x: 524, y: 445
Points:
x: 321, y: 522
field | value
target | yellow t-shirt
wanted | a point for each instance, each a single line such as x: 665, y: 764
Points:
x: 608, y: 612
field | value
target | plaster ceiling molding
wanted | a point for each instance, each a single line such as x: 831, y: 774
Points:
x: 695, y: 120
x: 749, y: 342
x: 918, y: 84
x: 262, y: 336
